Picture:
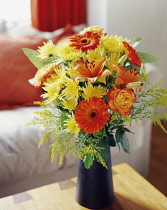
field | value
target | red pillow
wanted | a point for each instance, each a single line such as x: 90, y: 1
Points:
x: 67, y: 32
x: 16, y: 70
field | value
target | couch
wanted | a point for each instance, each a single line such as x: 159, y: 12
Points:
x: 23, y: 165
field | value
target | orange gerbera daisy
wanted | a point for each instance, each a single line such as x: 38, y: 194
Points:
x: 87, y: 41
x: 91, y: 70
x: 125, y: 76
x: 132, y: 55
x: 92, y: 115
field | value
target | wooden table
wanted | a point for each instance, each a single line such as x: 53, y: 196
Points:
x: 132, y: 191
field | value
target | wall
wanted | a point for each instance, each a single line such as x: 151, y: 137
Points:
x: 146, y: 19
x: 18, y: 10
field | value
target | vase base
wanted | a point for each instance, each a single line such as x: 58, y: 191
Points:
x: 95, y: 205
x: 94, y: 188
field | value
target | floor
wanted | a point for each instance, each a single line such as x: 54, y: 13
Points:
x: 158, y: 159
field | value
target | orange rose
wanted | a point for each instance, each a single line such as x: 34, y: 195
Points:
x: 121, y: 100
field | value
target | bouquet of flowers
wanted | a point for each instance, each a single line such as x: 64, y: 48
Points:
x: 93, y: 84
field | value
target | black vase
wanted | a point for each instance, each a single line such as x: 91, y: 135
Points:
x: 94, y: 188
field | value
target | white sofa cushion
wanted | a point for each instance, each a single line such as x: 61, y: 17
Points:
x: 20, y: 156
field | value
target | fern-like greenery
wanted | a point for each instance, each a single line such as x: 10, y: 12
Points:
x: 51, y: 118
x: 148, y: 108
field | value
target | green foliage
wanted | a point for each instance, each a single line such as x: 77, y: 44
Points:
x: 91, y: 147
x: 32, y: 55
x: 62, y: 143
x: 121, y: 138
x: 110, y: 140
x: 144, y: 77
x: 88, y: 161
x: 49, y: 118
x: 135, y: 42
x: 103, y: 152
x: 147, y: 58
x: 149, y: 100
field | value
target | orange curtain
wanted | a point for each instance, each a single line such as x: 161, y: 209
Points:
x: 49, y: 15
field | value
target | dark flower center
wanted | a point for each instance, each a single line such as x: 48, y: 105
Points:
x: 85, y: 41
x: 93, y: 114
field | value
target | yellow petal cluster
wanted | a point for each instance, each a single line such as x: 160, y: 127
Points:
x: 46, y: 50
x: 72, y: 126
x: 71, y: 71
x: 94, y: 55
x: 70, y: 104
x: 112, y: 43
x: 52, y: 90
x: 91, y: 91
x: 71, y: 89
x: 67, y: 53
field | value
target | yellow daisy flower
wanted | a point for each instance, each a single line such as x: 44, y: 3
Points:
x: 71, y: 90
x: 46, y: 50
x: 93, y: 55
x: 67, y: 53
x: 91, y: 91
x: 52, y: 90
x: 112, y: 43
x: 60, y: 74
x: 113, y: 59
x: 71, y: 72
x: 72, y: 126
x: 71, y: 104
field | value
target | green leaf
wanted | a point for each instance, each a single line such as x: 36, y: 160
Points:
x: 88, y: 161
x: 110, y: 140
x: 147, y: 58
x: 118, y: 135
x: 127, y: 130
x: 136, y: 41
x: 125, y: 143
x: 103, y: 152
x: 32, y: 56
x: 121, y: 138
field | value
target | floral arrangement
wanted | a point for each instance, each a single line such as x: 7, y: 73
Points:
x: 93, y: 84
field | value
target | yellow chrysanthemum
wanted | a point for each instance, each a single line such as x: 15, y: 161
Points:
x: 71, y: 72
x: 72, y: 126
x: 94, y: 55
x: 112, y: 43
x: 91, y: 91
x: 113, y: 59
x: 54, y: 85
x: 71, y: 104
x: 67, y: 53
x: 52, y: 90
x: 95, y: 29
x: 71, y: 90
x: 46, y: 50
x: 60, y: 74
